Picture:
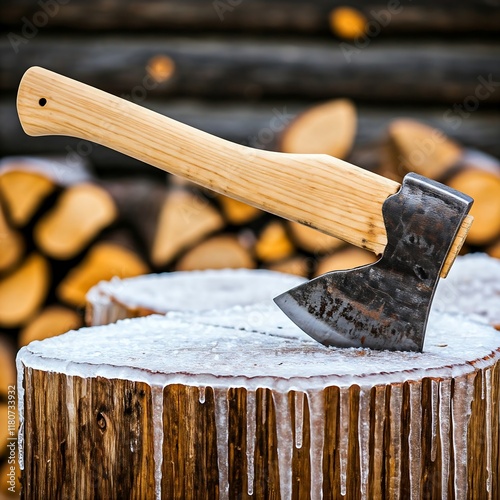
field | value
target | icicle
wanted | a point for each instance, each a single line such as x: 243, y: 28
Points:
x: 157, y: 403
x: 251, y: 426
x: 364, y: 439
x: 299, y: 418
x: 285, y: 443
x: 489, y: 464
x: 221, y: 423
x: 344, y: 410
x: 444, y: 433
x: 415, y: 440
x: 461, y: 411
x: 70, y: 407
x: 434, y: 417
x: 201, y: 397
x: 396, y: 402
x: 378, y: 430
x: 316, y: 405
x: 483, y: 383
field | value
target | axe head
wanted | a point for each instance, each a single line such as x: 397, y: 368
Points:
x: 385, y: 305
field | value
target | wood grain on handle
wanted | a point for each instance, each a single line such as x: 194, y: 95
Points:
x: 318, y: 190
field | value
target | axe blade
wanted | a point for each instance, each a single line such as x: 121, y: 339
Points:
x: 385, y: 305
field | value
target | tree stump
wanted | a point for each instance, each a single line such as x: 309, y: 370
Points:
x: 110, y: 301
x: 242, y: 404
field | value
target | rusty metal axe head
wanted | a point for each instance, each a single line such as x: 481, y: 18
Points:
x: 385, y: 305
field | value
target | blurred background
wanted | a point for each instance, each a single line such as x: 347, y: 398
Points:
x: 392, y: 86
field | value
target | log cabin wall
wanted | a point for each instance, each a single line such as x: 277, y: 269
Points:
x: 242, y: 70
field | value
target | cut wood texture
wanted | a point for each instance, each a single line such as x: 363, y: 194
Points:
x: 52, y: 321
x: 348, y: 206
x: 184, y: 220
x: 242, y: 403
x: 494, y: 249
x: 23, y: 291
x: 11, y: 244
x: 484, y: 187
x: 313, y: 241
x: 419, y: 148
x: 219, y: 252
x: 104, y: 261
x: 298, y: 266
x: 80, y: 214
x: 26, y: 181
x: 273, y: 243
x: 237, y: 212
x: 110, y: 301
x: 328, y: 128
x: 347, y: 258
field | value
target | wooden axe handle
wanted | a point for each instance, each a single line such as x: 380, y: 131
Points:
x: 321, y: 191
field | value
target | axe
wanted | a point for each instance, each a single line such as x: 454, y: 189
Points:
x: 417, y: 227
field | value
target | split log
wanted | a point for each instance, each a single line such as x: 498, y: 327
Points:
x: 237, y: 212
x: 494, y: 250
x: 26, y: 181
x: 168, y: 221
x: 104, y: 261
x: 312, y: 240
x: 346, y: 258
x: 11, y: 243
x: 419, y: 148
x: 117, y: 299
x: 258, y: 408
x: 290, y: 16
x: 8, y: 371
x: 184, y: 220
x: 53, y: 320
x: 80, y: 214
x: 256, y: 67
x: 273, y: 243
x: 219, y: 252
x: 328, y: 128
x: 472, y: 287
x: 23, y: 291
x: 298, y: 266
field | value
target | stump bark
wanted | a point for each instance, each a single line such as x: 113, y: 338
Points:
x: 242, y: 404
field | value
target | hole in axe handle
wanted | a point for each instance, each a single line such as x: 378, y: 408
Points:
x: 42, y: 101
x: 457, y: 245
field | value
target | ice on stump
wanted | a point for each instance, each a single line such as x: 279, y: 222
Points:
x: 225, y: 349
x: 185, y: 291
x: 472, y: 287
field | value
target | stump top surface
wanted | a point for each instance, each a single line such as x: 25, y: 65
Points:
x: 472, y: 287
x: 194, y: 290
x: 254, y: 346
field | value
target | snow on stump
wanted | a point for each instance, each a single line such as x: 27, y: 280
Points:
x: 117, y: 299
x: 242, y: 404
